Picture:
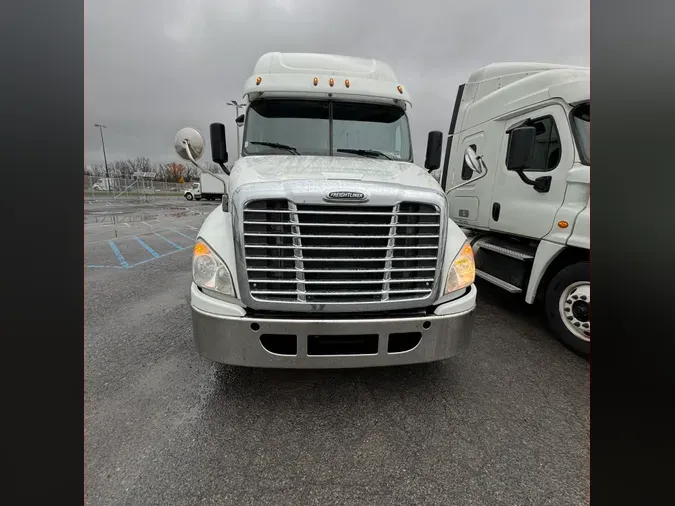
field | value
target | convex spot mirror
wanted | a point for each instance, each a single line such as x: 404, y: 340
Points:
x: 472, y: 161
x: 189, y: 138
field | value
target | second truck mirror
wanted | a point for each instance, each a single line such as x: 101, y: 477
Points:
x: 521, y: 148
x: 218, y: 143
x: 434, y: 148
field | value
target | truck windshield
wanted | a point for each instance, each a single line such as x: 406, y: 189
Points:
x: 282, y: 126
x: 581, y: 126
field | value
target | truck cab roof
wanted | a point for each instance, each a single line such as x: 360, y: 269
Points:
x: 497, y: 89
x: 313, y: 75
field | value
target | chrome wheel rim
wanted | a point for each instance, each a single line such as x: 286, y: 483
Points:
x: 575, y: 309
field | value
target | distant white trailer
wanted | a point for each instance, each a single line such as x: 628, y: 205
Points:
x: 210, y: 187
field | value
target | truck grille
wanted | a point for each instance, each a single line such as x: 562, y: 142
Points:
x: 340, y: 254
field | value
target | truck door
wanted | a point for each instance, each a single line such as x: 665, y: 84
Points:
x: 518, y: 208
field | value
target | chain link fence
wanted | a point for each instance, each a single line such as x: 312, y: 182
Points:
x: 133, y: 189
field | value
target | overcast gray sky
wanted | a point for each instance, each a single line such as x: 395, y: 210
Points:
x: 154, y: 66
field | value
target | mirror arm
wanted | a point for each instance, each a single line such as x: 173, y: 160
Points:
x: 225, y: 169
x: 188, y: 150
x: 541, y: 184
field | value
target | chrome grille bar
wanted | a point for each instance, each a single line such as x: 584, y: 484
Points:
x: 306, y: 236
x: 360, y: 271
x: 338, y: 247
x: 307, y: 224
x: 390, y: 253
x: 345, y: 213
x: 354, y: 293
x: 297, y: 252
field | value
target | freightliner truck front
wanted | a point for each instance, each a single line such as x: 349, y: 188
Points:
x: 331, y: 247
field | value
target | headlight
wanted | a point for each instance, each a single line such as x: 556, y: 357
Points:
x: 462, y: 271
x: 209, y: 271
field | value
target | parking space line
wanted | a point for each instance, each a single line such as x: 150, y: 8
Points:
x: 155, y: 258
x: 103, y: 266
x: 181, y: 233
x: 169, y: 241
x: 118, y: 254
x: 148, y: 248
x: 121, y: 238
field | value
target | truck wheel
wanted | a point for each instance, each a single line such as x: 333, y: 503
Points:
x: 568, y: 307
x: 188, y: 196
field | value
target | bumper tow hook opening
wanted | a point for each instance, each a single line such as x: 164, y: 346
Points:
x: 426, y: 325
x: 402, y: 342
x: 255, y: 327
x: 280, y: 344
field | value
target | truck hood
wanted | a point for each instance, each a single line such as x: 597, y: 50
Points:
x: 258, y: 169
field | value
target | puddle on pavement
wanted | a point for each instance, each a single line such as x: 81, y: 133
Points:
x: 114, y: 219
x: 118, y: 216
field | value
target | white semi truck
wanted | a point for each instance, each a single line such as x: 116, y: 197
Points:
x: 210, y: 187
x: 331, y: 247
x: 528, y: 216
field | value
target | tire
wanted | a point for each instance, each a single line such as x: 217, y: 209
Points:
x: 568, y: 307
x: 188, y: 196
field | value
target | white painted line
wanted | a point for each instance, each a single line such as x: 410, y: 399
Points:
x: 127, y: 225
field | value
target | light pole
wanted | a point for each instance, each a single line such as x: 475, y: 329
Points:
x: 237, y: 106
x: 105, y: 160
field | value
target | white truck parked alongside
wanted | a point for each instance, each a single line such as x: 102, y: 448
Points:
x: 528, y: 217
x: 331, y: 248
x: 210, y: 187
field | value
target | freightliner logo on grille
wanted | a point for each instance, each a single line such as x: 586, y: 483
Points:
x: 346, y: 195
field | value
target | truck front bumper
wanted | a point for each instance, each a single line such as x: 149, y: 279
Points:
x: 224, y: 333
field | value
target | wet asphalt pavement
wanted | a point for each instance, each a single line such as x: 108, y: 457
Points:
x: 505, y: 423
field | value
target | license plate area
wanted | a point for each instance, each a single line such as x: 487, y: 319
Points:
x: 355, y: 344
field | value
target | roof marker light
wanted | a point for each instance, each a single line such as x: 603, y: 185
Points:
x: 258, y: 80
x: 347, y: 83
x: 400, y: 89
x: 331, y: 81
x: 316, y: 81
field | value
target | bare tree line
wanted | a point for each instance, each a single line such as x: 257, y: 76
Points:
x: 171, y: 172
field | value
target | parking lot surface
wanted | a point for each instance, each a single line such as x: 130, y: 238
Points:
x: 505, y: 423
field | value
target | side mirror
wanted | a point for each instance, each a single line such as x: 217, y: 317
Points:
x: 240, y: 120
x: 472, y: 161
x: 434, y: 148
x: 218, y: 143
x: 476, y: 164
x: 189, y: 144
x: 521, y: 148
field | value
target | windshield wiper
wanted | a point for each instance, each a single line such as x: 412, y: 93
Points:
x: 364, y: 152
x: 287, y: 147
